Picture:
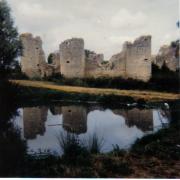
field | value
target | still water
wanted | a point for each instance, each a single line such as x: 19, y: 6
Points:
x: 41, y: 126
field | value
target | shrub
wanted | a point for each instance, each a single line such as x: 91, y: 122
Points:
x: 9, y: 92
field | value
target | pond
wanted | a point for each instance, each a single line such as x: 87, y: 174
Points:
x: 41, y: 126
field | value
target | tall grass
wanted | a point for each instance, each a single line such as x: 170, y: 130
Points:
x: 74, y: 152
x: 70, y: 143
x: 95, y: 143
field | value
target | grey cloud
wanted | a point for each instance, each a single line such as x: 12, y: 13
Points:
x: 103, y: 24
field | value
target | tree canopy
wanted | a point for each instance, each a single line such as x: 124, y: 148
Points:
x: 10, y: 45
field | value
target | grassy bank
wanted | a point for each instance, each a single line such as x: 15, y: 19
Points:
x: 94, y: 92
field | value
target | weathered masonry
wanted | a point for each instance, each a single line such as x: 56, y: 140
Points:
x: 72, y: 60
x: 33, y: 62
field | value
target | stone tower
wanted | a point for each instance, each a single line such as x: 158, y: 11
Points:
x: 138, y: 58
x: 33, y: 55
x: 72, y: 56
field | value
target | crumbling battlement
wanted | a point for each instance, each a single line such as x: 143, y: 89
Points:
x: 73, y: 61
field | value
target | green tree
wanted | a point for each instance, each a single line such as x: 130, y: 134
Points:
x: 50, y: 58
x: 10, y: 45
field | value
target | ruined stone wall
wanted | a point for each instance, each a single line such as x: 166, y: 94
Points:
x: 138, y: 58
x: 97, y: 67
x: 167, y: 56
x: 33, y: 62
x: 118, y: 62
x: 72, y: 58
x: 133, y: 62
x: 33, y: 55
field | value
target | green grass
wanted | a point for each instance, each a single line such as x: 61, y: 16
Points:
x: 84, y: 91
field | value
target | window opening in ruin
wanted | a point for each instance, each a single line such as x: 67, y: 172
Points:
x: 38, y: 65
x: 146, y: 59
x: 69, y: 110
x: 37, y: 48
x: 67, y: 62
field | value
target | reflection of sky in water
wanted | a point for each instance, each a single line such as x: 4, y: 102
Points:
x: 107, y: 125
x: 112, y: 128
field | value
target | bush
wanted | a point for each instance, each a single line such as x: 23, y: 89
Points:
x: 164, y: 79
x: 9, y: 92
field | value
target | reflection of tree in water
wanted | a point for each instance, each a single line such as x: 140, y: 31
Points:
x: 12, y: 148
x: 175, y: 114
x: 55, y: 110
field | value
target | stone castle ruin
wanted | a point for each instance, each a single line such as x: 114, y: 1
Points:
x: 72, y: 60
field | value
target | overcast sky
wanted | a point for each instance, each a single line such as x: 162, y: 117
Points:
x: 103, y: 24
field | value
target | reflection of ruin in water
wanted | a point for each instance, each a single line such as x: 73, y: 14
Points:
x: 34, y: 121
x: 74, y: 118
x: 141, y: 118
